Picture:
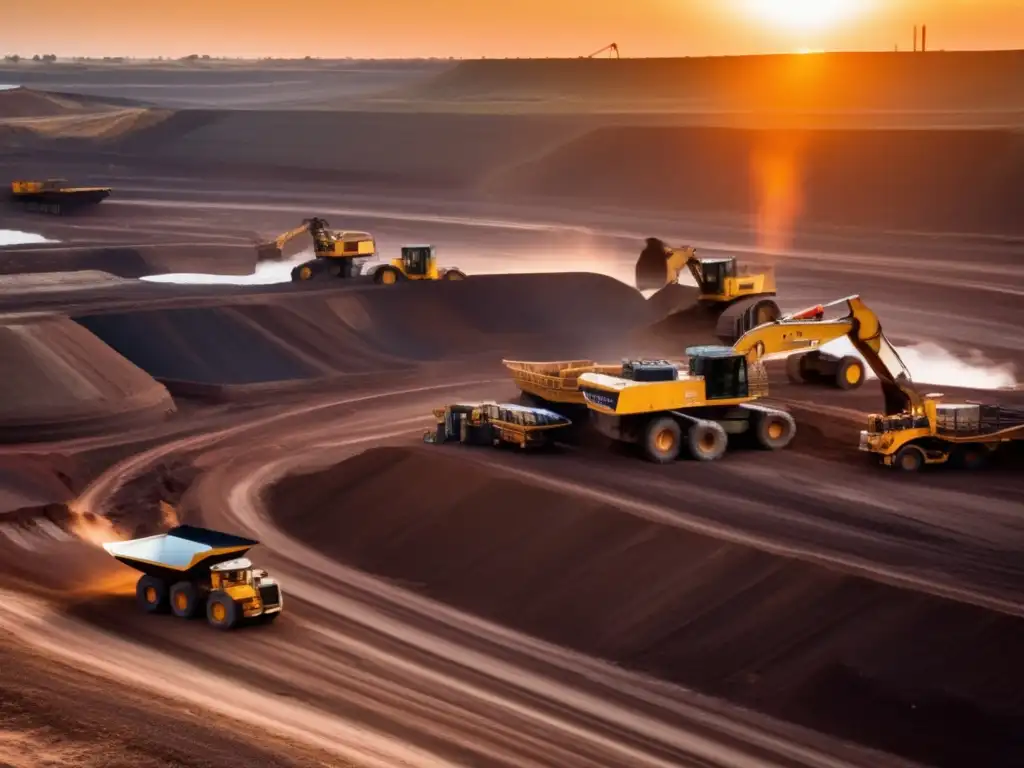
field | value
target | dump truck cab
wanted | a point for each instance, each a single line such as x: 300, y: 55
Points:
x: 189, y: 568
x: 416, y: 262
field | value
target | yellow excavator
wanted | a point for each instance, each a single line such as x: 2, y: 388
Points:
x: 337, y: 253
x: 659, y: 406
x: 738, y: 297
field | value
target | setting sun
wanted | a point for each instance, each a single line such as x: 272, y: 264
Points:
x: 803, y: 14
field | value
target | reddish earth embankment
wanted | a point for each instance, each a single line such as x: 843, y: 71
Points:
x: 61, y: 381
x: 431, y: 150
x: 26, y: 102
x: 300, y: 335
x: 929, y: 678
x: 131, y: 261
x: 960, y: 181
x: 947, y: 81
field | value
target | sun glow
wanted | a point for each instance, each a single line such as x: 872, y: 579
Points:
x: 803, y: 15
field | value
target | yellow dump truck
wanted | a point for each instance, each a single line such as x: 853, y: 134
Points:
x: 191, y: 570
x: 55, y: 197
x: 496, y: 424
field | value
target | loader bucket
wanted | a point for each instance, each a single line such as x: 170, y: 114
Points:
x: 181, y: 552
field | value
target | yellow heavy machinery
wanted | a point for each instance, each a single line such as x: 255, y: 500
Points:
x: 496, y: 424
x: 659, y: 405
x: 337, y: 253
x: 738, y: 297
x: 55, y: 197
x: 417, y: 262
x: 191, y: 570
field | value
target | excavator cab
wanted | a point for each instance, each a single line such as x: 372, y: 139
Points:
x: 715, y: 272
x: 723, y: 369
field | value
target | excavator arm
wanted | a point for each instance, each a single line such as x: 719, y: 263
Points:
x: 808, y: 329
x: 273, y: 250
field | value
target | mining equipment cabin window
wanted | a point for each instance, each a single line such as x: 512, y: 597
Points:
x: 416, y: 260
x: 725, y: 377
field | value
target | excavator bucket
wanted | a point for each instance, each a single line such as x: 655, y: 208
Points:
x: 651, y: 267
x: 268, y: 252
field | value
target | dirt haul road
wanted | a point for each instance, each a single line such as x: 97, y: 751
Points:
x: 372, y: 673
x: 367, y: 670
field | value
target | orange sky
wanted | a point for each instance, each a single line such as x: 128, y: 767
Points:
x: 474, y: 28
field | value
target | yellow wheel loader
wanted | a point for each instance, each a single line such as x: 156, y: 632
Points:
x: 417, y: 262
x: 190, y: 571
x: 55, y: 197
x: 737, y: 297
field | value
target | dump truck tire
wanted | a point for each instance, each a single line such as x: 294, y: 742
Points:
x: 849, y: 373
x: 151, y: 594
x: 707, y: 441
x: 774, y: 430
x: 970, y: 457
x: 184, y: 599
x: 909, y: 458
x: 454, y: 274
x: 663, y: 438
x: 222, y: 612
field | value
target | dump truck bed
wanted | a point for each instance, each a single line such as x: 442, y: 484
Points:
x: 558, y: 381
x: 179, y: 553
x: 56, y: 198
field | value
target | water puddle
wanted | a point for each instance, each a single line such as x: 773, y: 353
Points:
x: 14, y: 237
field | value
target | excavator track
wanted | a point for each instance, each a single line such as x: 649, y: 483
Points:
x: 744, y: 315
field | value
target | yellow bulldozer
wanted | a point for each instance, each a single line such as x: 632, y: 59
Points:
x: 55, y: 197
x: 738, y: 297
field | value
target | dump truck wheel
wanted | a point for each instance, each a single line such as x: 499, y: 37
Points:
x: 662, y: 440
x: 795, y: 369
x: 850, y: 373
x: 151, y: 594
x: 774, y: 430
x: 909, y: 458
x: 971, y: 457
x: 184, y: 599
x: 454, y: 274
x: 707, y: 440
x: 386, y: 276
x: 222, y: 612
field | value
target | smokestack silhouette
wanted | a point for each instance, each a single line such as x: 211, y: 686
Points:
x: 924, y: 38
x: 915, y: 38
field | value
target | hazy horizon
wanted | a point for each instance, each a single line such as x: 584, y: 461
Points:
x: 397, y: 29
